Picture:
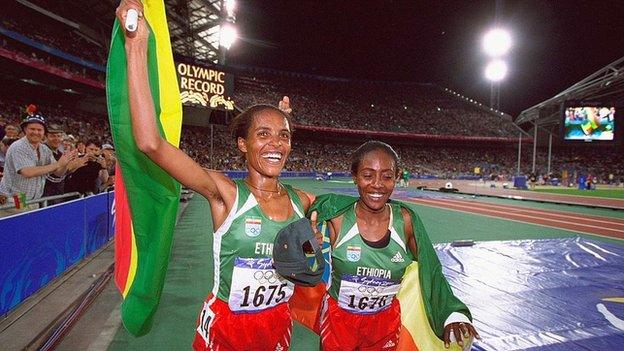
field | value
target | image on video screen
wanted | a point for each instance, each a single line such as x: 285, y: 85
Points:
x: 589, y: 123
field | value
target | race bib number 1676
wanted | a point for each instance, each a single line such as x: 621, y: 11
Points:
x: 364, y: 295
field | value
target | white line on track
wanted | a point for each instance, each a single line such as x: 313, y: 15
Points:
x: 417, y: 202
x: 542, y: 212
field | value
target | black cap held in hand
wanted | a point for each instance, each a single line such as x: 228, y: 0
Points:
x: 289, y: 254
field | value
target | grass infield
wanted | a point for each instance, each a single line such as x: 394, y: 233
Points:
x: 613, y: 193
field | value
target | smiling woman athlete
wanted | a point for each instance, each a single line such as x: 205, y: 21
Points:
x: 247, y: 308
x: 373, y: 242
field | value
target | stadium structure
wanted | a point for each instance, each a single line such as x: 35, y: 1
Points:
x: 555, y: 252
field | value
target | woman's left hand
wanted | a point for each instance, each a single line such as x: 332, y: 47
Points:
x: 462, y: 332
x: 314, y: 224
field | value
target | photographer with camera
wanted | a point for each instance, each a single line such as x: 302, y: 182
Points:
x: 108, y: 151
x: 88, y: 171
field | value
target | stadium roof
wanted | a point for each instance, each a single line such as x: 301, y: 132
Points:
x: 605, y: 85
x: 194, y: 25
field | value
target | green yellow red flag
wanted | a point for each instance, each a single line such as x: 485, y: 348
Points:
x: 146, y: 197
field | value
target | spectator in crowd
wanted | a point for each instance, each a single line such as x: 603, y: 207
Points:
x: 397, y: 107
x: 82, y: 148
x: 11, y: 131
x: 589, y: 182
x: 3, y: 149
x: 108, y: 151
x: 51, y: 32
x: 69, y: 143
x: 89, y: 172
x: 4, y: 146
x: 3, y: 123
x: 54, y: 184
x: 532, y: 180
x: 438, y: 159
x: 28, y: 161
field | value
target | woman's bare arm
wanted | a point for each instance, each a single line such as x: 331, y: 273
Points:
x: 216, y: 187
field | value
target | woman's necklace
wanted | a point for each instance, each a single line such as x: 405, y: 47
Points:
x: 271, y: 192
x: 370, y: 210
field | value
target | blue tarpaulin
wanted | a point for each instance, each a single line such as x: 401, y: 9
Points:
x: 551, y: 294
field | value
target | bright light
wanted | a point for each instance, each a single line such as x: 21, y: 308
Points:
x: 228, y: 36
x: 496, y: 70
x: 497, y: 42
x: 230, y: 6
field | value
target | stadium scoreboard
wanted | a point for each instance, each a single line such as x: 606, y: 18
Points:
x: 588, y: 121
x: 202, y: 86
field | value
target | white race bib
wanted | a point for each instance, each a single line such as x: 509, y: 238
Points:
x: 257, y: 286
x: 205, y: 318
x: 364, y: 295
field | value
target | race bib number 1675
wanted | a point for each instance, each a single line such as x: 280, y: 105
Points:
x: 257, y: 286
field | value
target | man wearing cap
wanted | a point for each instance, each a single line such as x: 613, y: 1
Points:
x: 54, y: 184
x: 28, y: 161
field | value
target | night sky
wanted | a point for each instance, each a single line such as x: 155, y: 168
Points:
x: 556, y: 43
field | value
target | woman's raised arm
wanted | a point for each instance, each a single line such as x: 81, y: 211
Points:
x: 216, y: 187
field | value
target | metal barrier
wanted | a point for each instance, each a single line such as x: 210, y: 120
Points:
x: 44, y: 200
x: 51, y: 240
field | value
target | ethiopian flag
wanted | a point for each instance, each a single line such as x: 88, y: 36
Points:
x: 425, y: 296
x: 146, y: 197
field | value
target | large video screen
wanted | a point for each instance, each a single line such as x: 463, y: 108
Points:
x: 589, y: 123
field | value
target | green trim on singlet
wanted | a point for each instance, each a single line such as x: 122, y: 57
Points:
x: 392, y: 259
x: 239, y: 240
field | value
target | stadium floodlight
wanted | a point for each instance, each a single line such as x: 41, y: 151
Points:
x: 230, y: 6
x: 228, y: 35
x: 496, y: 70
x: 497, y: 42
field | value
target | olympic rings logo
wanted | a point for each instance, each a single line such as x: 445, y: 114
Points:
x: 264, y: 277
x: 371, y: 290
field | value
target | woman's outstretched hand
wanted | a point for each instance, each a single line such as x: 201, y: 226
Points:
x: 463, y: 332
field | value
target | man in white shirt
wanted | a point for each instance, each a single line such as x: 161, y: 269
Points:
x: 28, y: 161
